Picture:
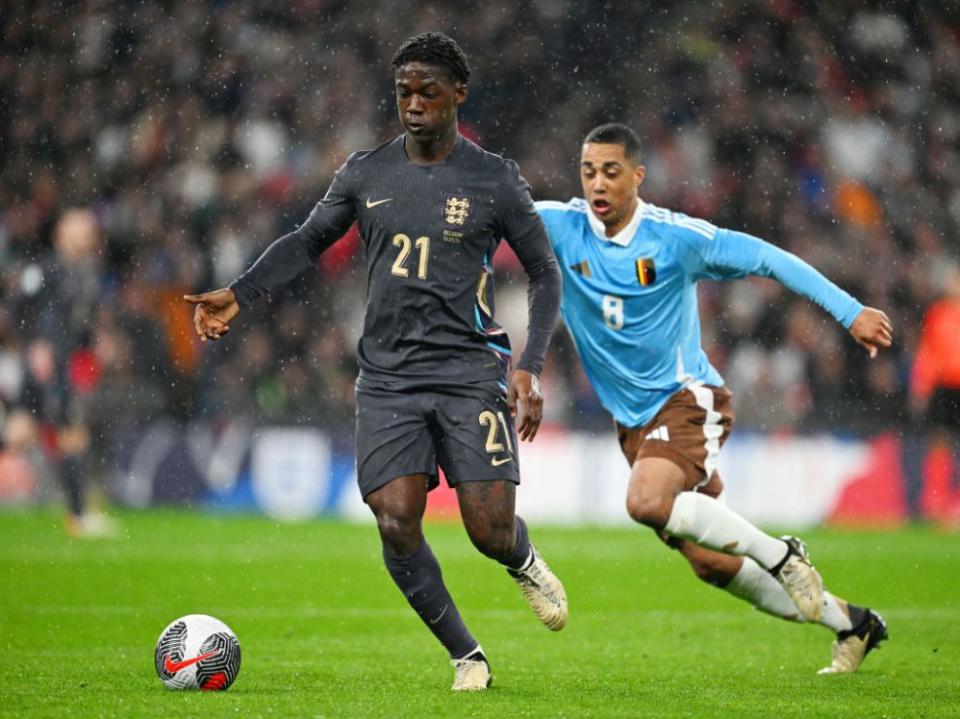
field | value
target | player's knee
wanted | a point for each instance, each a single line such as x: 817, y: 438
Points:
x: 650, y: 509
x: 714, y: 568
x: 400, y: 534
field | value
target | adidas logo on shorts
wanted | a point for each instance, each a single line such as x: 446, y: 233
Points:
x: 660, y: 433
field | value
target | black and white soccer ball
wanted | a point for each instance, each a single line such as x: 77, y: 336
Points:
x: 197, y: 652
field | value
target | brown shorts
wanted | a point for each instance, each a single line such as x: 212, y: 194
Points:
x: 689, y: 430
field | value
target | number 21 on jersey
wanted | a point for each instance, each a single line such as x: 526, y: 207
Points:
x: 613, y: 312
x: 403, y: 242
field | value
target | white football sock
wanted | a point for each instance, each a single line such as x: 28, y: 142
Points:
x: 834, y: 615
x: 713, y: 525
x: 754, y: 584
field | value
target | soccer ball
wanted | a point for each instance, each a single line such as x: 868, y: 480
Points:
x: 197, y: 652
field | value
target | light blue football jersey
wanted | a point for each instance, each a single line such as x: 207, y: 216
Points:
x: 630, y: 301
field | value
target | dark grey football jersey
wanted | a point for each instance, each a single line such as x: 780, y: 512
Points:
x: 429, y: 232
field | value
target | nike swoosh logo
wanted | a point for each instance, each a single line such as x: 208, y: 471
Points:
x: 378, y: 202
x: 497, y: 462
x: 434, y: 621
x: 174, y: 667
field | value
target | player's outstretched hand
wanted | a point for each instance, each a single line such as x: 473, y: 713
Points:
x: 872, y: 330
x: 526, y: 403
x: 213, y: 312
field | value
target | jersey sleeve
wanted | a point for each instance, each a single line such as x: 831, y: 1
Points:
x: 297, y: 251
x: 521, y: 226
x: 550, y: 214
x: 729, y: 255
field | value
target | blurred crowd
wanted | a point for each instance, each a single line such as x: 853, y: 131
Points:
x: 155, y: 148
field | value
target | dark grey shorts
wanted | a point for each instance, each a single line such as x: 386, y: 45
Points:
x: 468, y: 431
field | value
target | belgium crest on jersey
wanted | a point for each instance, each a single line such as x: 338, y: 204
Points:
x: 456, y: 210
x: 646, y: 272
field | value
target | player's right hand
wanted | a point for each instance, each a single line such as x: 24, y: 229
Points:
x: 872, y: 329
x: 213, y: 312
x: 526, y: 403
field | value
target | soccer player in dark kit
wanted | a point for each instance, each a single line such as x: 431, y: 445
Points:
x: 432, y: 390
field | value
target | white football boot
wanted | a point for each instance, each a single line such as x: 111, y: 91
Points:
x: 853, y: 645
x: 801, y: 581
x: 472, y: 672
x: 543, y: 592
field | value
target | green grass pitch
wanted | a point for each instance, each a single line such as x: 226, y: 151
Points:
x: 325, y: 633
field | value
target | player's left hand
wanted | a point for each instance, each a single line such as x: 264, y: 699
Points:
x: 526, y: 403
x: 872, y: 329
x: 213, y: 312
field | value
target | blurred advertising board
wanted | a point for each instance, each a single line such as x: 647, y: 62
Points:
x: 297, y: 473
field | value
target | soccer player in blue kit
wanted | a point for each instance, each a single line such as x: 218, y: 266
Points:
x: 630, y: 303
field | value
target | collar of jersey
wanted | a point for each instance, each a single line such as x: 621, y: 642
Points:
x: 403, y: 152
x: 622, y: 238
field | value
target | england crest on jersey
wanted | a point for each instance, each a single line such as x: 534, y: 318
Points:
x: 456, y: 209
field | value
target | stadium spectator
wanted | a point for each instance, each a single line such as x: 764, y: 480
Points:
x: 935, y: 394
x: 62, y: 373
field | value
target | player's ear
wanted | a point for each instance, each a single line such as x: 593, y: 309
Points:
x: 459, y: 93
x: 639, y: 173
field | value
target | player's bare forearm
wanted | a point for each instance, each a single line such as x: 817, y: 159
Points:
x: 872, y: 330
x: 526, y: 403
x: 213, y: 312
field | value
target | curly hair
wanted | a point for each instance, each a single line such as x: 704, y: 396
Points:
x: 434, y: 48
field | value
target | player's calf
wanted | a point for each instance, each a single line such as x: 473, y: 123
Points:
x: 714, y: 568
x: 419, y: 578
x: 487, y: 509
x: 493, y: 541
x: 713, y: 525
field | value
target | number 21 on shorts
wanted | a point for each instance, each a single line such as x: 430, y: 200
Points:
x: 490, y: 421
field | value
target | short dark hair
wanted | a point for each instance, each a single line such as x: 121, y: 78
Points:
x: 434, y: 48
x: 614, y: 133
